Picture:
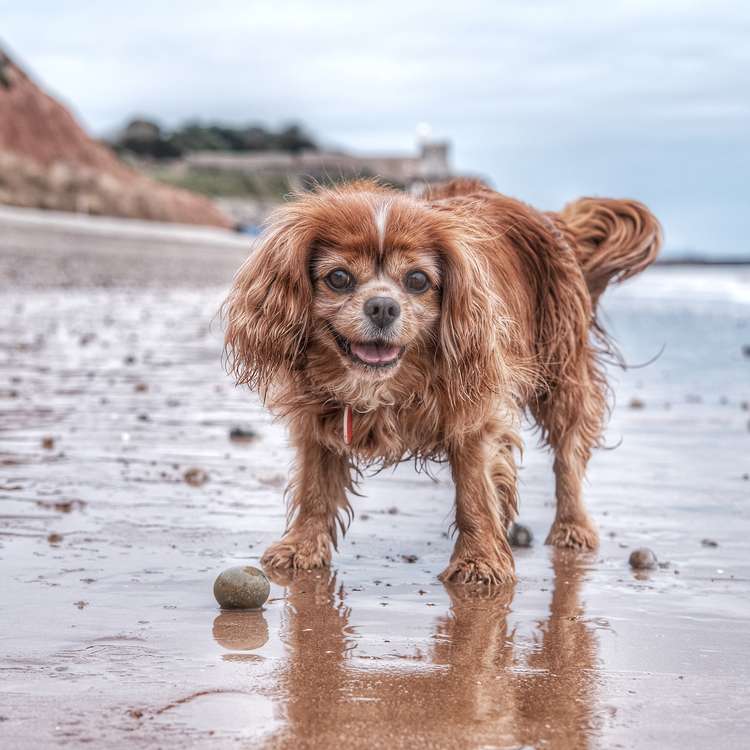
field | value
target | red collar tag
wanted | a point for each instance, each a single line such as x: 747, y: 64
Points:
x: 348, y: 424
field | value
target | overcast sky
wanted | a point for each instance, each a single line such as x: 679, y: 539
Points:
x: 550, y: 100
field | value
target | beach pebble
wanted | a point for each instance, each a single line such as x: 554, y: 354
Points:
x: 243, y: 587
x: 709, y: 543
x: 637, y: 403
x: 242, y: 435
x: 642, y: 559
x: 195, y: 477
x: 520, y: 535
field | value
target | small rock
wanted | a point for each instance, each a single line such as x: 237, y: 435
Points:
x: 520, y: 535
x: 393, y: 510
x: 409, y: 558
x: 270, y: 480
x: 746, y: 351
x: 709, y: 543
x: 48, y: 442
x: 54, y: 538
x: 642, y: 559
x: 81, y: 604
x: 140, y: 387
x: 243, y: 587
x: 195, y: 477
x: 62, y: 506
x: 243, y: 435
x: 637, y: 403
x: 129, y: 360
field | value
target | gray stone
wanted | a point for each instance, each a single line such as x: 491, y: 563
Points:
x: 244, y: 587
x: 520, y: 535
x: 642, y: 559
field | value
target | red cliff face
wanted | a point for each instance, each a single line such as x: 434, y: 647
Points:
x: 48, y: 161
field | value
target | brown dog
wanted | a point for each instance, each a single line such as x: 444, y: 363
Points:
x: 381, y: 326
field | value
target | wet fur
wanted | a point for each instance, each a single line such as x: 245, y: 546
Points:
x: 509, y: 325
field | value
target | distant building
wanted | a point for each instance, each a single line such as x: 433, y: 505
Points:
x: 430, y: 164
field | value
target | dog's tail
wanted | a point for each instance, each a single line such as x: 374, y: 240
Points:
x: 615, y: 239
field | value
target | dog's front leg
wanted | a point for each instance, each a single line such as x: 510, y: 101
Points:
x: 485, y: 481
x: 318, y: 506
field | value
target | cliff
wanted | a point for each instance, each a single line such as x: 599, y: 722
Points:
x: 47, y: 160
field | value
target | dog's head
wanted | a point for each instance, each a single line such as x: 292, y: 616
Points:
x: 357, y: 285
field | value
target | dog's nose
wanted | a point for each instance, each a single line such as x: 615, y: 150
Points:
x: 382, y: 311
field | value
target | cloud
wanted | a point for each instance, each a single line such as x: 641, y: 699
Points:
x: 546, y: 98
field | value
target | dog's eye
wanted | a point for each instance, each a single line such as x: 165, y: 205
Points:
x: 416, y: 282
x: 340, y: 280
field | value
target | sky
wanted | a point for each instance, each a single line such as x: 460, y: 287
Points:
x: 648, y: 99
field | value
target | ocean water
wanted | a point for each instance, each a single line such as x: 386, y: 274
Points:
x: 695, y: 321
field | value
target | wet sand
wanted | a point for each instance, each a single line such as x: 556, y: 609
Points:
x: 111, y: 388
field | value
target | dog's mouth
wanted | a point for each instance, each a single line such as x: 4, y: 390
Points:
x: 377, y: 353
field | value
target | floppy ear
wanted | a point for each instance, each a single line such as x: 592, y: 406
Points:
x: 267, y: 312
x: 472, y: 327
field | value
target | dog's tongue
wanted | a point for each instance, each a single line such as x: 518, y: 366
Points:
x: 375, y: 354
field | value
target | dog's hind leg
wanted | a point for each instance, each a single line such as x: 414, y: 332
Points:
x: 504, y: 474
x: 571, y: 416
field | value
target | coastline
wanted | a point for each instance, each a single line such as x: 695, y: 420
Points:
x: 110, y: 630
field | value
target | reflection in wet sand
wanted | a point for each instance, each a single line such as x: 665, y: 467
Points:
x: 479, y: 685
x: 240, y: 630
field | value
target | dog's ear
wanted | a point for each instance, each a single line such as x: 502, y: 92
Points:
x: 267, y: 312
x: 472, y: 326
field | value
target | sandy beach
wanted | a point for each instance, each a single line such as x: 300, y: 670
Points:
x: 112, y: 388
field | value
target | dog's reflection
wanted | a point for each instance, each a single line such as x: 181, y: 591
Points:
x: 478, y: 683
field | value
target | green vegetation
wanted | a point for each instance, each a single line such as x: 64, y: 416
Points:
x: 145, y: 138
x: 224, y: 183
x: 4, y: 68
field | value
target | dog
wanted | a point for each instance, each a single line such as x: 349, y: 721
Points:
x: 383, y: 326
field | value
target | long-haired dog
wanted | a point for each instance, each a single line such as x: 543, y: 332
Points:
x: 383, y: 326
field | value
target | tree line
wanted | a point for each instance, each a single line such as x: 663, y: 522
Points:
x: 147, y: 139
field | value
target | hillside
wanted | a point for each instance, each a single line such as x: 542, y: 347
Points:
x: 47, y: 160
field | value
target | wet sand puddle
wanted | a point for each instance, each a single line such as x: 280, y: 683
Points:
x: 109, y: 395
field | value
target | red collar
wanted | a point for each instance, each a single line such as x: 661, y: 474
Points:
x: 348, y: 424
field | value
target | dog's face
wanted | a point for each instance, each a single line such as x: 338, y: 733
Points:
x: 358, y: 285
x: 375, y: 299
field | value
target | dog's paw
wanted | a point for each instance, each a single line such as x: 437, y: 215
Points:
x: 572, y: 535
x: 299, y: 553
x: 478, y: 569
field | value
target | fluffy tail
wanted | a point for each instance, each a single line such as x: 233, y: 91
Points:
x: 615, y: 239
